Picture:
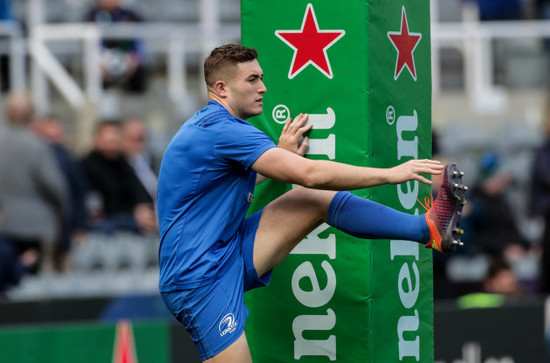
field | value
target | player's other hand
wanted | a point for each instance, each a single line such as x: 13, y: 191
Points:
x: 412, y: 169
x: 291, y: 138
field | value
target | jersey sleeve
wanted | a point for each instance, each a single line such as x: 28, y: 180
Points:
x: 242, y: 143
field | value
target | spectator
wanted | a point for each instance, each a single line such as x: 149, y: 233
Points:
x: 32, y: 188
x: 501, y: 279
x: 491, y: 225
x: 142, y: 161
x: 74, y: 226
x: 123, y: 60
x: 540, y: 203
x: 124, y: 204
x: 500, y: 285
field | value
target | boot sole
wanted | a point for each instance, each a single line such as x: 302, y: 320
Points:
x: 455, y: 184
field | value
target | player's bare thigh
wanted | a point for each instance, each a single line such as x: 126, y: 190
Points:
x: 285, y: 222
x: 238, y: 352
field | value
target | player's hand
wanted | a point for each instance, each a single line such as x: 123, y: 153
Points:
x: 291, y: 138
x: 412, y: 169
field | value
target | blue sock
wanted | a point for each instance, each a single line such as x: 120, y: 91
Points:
x: 363, y: 218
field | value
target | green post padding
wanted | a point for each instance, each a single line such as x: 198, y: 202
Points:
x: 361, y: 69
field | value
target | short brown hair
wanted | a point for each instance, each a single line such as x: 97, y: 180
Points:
x: 221, y: 57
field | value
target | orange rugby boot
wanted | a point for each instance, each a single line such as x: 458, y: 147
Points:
x: 444, y: 214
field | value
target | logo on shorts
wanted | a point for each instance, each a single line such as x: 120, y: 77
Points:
x: 228, y: 324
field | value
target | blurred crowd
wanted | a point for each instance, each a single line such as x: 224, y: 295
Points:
x: 492, y: 231
x: 50, y: 199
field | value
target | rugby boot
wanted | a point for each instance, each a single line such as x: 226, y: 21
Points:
x: 444, y: 214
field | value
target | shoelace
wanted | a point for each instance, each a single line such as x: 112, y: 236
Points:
x: 428, y: 201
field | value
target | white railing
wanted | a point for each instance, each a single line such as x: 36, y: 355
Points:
x: 473, y: 39
x: 175, y: 41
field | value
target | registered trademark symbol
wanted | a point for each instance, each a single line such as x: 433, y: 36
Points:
x: 390, y: 115
x: 280, y: 114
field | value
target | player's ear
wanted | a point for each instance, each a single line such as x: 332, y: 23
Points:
x: 220, y: 88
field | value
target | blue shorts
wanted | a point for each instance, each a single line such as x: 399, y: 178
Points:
x: 215, y: 314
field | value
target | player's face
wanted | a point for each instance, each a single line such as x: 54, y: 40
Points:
x: 246, y: 90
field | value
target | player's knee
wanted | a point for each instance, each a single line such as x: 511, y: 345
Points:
x: 317, y: 199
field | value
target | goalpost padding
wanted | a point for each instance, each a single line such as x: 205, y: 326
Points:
x: 361, y: 69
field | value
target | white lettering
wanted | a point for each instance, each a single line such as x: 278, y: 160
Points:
x: 407, y: 288
x: 317, y: 297
x: 314, y: 347
x: 322, y: 121
x: 323, y: 147
x: 313, y: 245
x: 408, y: 198
x: 408, y: 297
x: 407, y: 148
x: 404, y: 248
x: 408, y: 348
x: 281, y: 114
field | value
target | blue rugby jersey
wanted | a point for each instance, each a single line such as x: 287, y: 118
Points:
x: 204, y: 191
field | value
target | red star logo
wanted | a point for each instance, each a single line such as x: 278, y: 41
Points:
x: 310, y: 45
x: 405, y: 43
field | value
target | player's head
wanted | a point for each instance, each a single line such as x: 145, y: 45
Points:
x: 234, y: 79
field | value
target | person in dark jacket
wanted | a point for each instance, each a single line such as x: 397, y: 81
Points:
x: 492, y: 226
x: 121, y: 200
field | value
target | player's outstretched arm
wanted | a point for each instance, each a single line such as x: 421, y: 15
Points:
x: 288, y: 167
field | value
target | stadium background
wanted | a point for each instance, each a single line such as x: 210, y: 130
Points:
x: 490, y: 92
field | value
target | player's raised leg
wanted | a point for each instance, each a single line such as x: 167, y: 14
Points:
x: 291, y: 217
x: 237, y: 352
x: 286, y: 221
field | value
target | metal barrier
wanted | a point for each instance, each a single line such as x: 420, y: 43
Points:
x: 176, y: 41
x: 473, y: 39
